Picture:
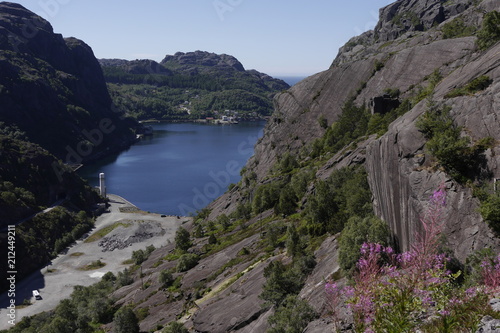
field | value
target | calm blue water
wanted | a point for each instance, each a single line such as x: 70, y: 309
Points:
x: 292, y: 80
x: 181, y: 168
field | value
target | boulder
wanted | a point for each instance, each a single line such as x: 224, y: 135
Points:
x: 489, y: 324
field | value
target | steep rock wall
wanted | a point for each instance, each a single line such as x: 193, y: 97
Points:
x: 396, y: 162
x: 398, y: 168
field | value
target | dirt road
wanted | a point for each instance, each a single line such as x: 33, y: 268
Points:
x: 56, y: 281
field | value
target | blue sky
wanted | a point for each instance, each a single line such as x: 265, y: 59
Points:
x: 277, y: 37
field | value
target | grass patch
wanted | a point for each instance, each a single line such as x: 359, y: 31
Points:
x: 93, y: 265
x: 229, y: 264
x: 478, y: 84
x: 106, y: 230
x: 457, y: 28
x: 228, y: 240
x: 128, y: 262
x: 158, y: 263
x: 76, y: 254
x: 173, y: 256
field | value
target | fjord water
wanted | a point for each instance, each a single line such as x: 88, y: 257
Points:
x: 181, y: 168
x: 291, y: 80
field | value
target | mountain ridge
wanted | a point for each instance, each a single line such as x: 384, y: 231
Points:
x: 190, y: 86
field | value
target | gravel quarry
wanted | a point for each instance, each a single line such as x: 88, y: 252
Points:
x: 130, y: 230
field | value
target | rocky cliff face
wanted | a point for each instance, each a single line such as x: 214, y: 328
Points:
x: 54, y: 90
x: 406, y: 53
x: 396, y: 56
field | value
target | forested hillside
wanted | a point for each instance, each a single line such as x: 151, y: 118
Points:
x: 190, y: 86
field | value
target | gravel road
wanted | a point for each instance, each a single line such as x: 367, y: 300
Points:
x: 56, y: 281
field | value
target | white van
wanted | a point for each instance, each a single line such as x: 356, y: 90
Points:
x: 36, y: 294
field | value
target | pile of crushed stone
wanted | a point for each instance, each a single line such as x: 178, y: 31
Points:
x: 123, y: 237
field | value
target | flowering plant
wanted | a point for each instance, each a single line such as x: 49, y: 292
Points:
x: 395, y: 292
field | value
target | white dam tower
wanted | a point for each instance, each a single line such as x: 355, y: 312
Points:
x: 102, y: 185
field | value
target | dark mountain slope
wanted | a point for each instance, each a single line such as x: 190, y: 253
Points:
x: 54, y: 105
x: 53, y: 89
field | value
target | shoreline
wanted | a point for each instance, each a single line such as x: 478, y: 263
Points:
x: 200, y: 120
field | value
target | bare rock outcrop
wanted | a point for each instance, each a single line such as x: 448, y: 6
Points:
x: 413, y: 15
x: 399, y: 182
x: 237, y: 307
x: 398, y: 167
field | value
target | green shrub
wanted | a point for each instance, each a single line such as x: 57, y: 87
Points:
x: 352, y: 124
x: 300, y: 182
x: 223, y: 221
x: 187, y: 261
x: 266, y: 197
x: 139, y: 256
x: 293, y: 243
x: 436, y: 119
x: 287, y: 202
x: 453, y: 151
x: 378, y: 65
x: 109, y: 276
x: 322, y: 210
x: 124, y: 278
x: 345, y: 193
x: 287, y: 163
x: 212, y: 240
x: 490, y: 211
x: 292, y: 316
x: 175, y: 327
x: 166, y: 279
x: 282, y: 281
x: 405, y: 16
x: 473, y: 264
x: 489, y: 34
x: 273, y: 233
x: 323, y: 122
x: 182, y: 239
x: 392, y: 92
x: 203, y: 213
x: 142, y: 313
x: 457, y: 28
x: 243, y: 211
x: 125, y: 321
x: 356, y: 232
x: 425, y: 92
x: 198, y: 231
x: 478, y: 84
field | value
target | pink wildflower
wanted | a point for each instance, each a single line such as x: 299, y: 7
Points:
x: 491, y: 274
x: 444, y: 313
x: 471, y: 292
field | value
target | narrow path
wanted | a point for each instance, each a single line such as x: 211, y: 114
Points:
x: 46, y: 210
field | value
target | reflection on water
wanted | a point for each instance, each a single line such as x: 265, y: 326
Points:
x: 181, y: 168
